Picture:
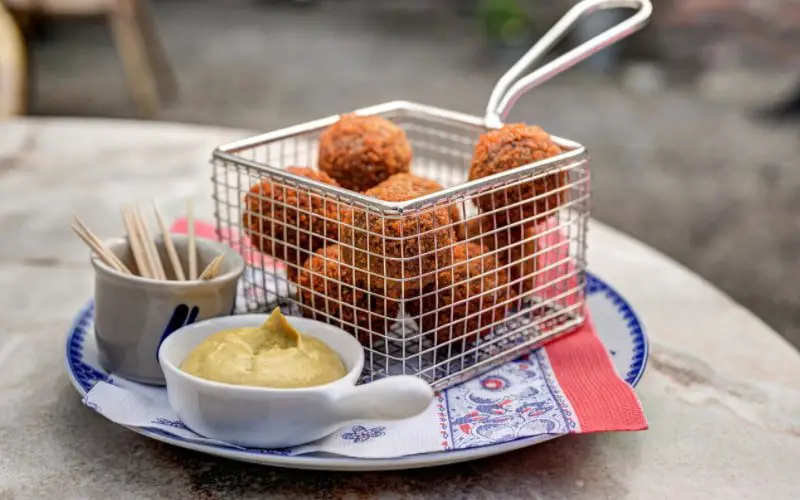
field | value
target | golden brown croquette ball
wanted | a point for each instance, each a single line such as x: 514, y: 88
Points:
x: 288, y: 223
x: 422, y: 186
x: 335, y: 292
x: 408, y: 248
x: 516, y: 247
x: 510, y: 147
x: 412, y: 182
x: 363, y: 151
x: 465, y: 300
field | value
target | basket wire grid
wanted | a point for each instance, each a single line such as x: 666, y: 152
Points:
x: 432, y: 287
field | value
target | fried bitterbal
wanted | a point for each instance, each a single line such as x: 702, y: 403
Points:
x: 405, y: 249
x: 290, y: 223
x: 422, y: 186
x: 333, y: 291
x: 517, y: 247
x: 466, y: 300
x: 510, y: 147
x: 363, y: 151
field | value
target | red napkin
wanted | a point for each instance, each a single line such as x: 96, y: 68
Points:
x: 601, y: 399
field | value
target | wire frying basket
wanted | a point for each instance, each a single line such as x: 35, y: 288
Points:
x: 442, y: 286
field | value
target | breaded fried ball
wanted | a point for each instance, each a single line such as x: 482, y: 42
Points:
x: 363, y: 151
x: 412, y: 182
x: 510, y: 147
x: 288, y: 223
x: 465, y: 299
x: 406, y: 248
x: 516, y: 247
x: 333, y: 291
x: 421, y: 185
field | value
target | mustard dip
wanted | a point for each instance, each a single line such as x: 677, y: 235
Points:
x: 271, y: 355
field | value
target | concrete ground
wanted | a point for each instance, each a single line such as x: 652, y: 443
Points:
x: 686, y: 170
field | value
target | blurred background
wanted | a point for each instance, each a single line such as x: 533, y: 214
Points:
x: 693, y: 125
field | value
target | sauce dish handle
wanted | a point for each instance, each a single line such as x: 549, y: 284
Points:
x: 390, y: 398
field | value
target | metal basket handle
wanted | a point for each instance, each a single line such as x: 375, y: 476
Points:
x: 511, y: 86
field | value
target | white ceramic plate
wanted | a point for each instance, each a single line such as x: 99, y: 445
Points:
x: 615, y: 323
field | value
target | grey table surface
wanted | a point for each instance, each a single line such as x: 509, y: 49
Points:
x: 722, y: 390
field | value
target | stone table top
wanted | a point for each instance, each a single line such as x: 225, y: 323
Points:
x: 722, y: 390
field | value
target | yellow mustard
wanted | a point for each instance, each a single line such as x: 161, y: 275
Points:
x: 271, y: 355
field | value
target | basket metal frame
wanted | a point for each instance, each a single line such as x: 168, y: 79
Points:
x: 458, y: 363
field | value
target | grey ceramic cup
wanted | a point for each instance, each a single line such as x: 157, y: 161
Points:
x: 133, y: 315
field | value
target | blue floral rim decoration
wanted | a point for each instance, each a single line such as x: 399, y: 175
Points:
x: 635, y: 328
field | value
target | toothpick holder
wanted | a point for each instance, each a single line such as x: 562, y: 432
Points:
x: 133, y: 315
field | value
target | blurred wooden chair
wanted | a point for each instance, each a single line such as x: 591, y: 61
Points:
x: 147, y: 71
x: 12, y: 67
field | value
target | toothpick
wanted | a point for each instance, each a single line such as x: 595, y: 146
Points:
x: 118, y: 265
x: 102, y: 253
x: 139, y: 255
x: 170, y: 245
x: 212, y: 269
x: 150, y: 246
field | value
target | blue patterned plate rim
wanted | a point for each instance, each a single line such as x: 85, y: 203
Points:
x: 78, y: 370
